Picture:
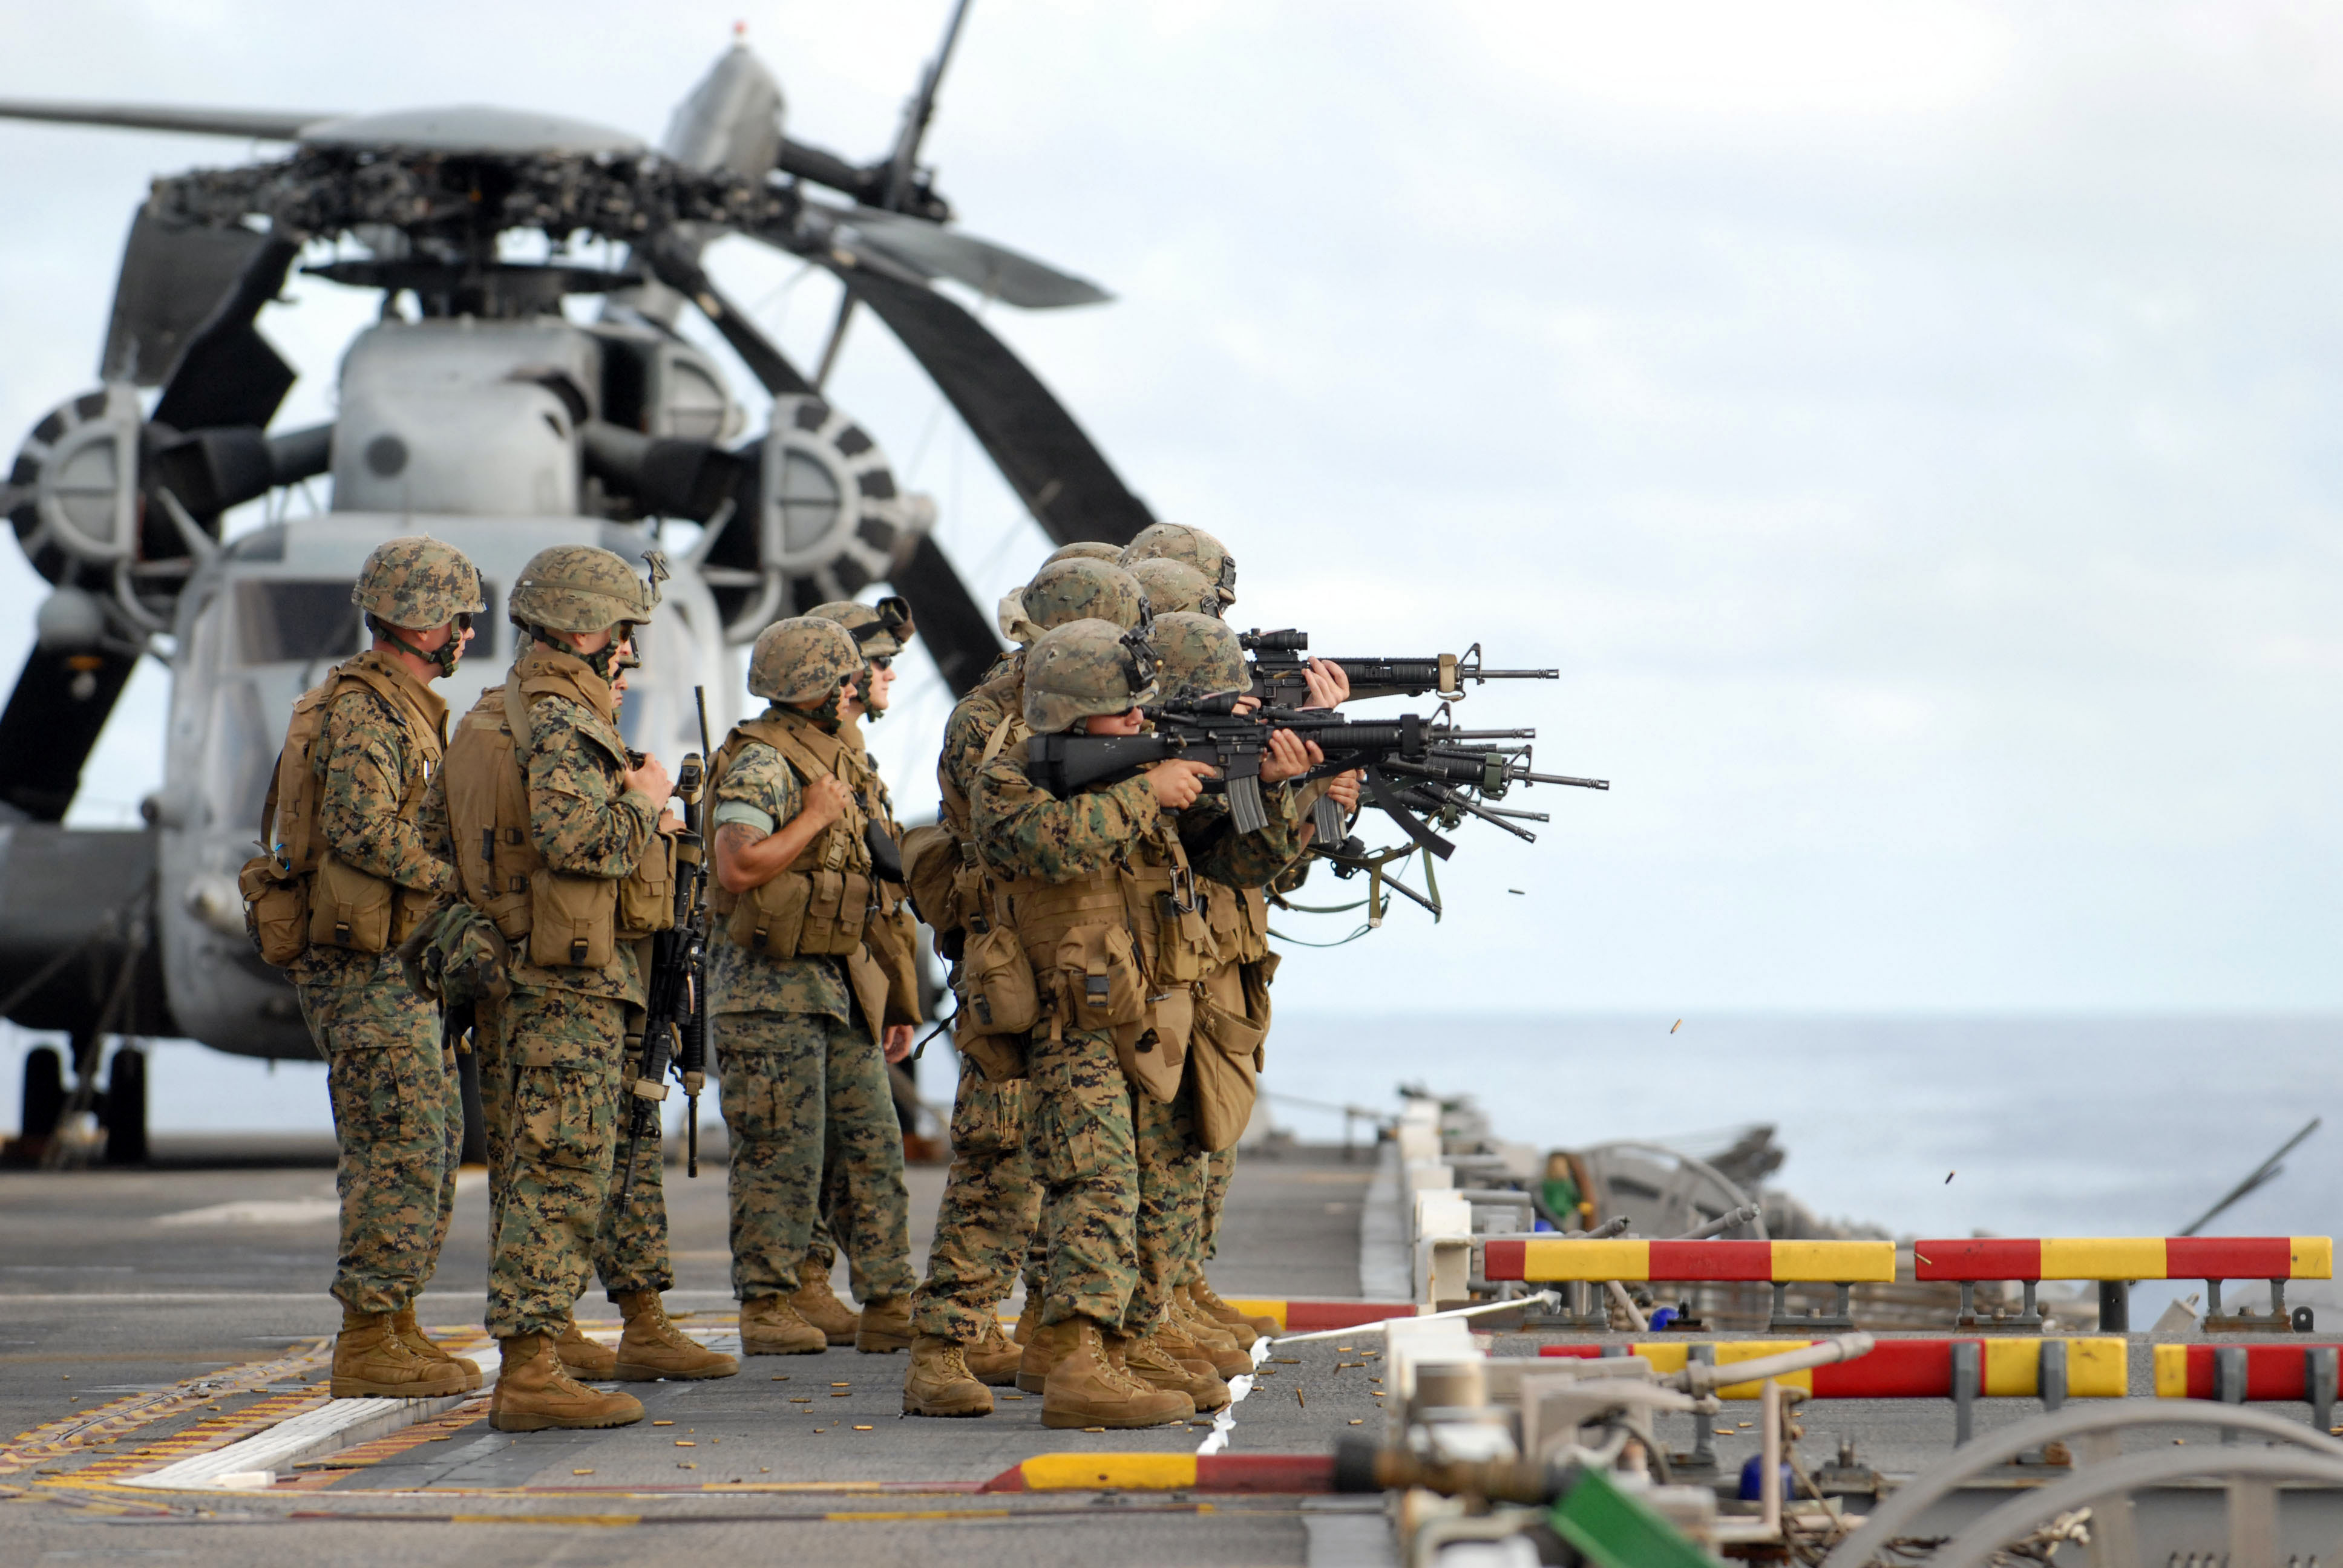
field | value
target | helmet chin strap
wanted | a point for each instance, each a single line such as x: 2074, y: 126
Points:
x: 446, y: 656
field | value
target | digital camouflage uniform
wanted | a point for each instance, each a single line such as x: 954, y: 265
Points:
x: 804, y: 1090
x: 1115, y: 1165
x: 985, y: 1224
x: 561, y: 1042
x: 398, y: 1113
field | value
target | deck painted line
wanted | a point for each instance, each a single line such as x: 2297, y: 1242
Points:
x: 1290, y: 1474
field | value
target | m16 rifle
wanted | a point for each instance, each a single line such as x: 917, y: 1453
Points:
x: 675, y: 1021
x: 1440, y: 767
x: 1280, y: 658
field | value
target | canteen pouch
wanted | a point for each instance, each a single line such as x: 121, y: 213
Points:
x: 1224, y: 1067
x: 1153, y: 1052
x: 1099, y: 978
x: 1000, y: 1057
x: 647, y: 893
x: 349, y: 909
x: 275, y: 910
x: 998, y: 995
x: 572, y: 920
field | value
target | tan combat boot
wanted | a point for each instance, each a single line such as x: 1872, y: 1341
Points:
x: 1171, y: 1337
x: 1207, y: 1301
x: 1028, y: 1320
x: 533, y: 1393
x: 589, y: 1360
x: 1210, y: 1340
x: 370, y: 1362
x: 1152, y: 1363
x: 652, y: 1347
x: 772, y: 1326
x: 886, y: 1326
x: 1049, y: 1341
x: 1085, y: 1389
x: 410, y: 1335
x: 994, y: 1359
x: 939, y: 1383
x: 818, y: 1305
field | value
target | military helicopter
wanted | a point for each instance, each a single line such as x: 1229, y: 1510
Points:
x: 477, y: 410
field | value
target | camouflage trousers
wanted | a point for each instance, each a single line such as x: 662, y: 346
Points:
x: 985, y: 1225
x: 398, y: 1117
x: 1219, y: 1168
x: 1117, y: 1167
x: 557, y: 1068
x: 814, y: 1142
x: 630, y: 1249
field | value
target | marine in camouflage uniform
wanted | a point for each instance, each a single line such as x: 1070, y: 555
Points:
x: 1112, y: 1257
x: 804, y: 1085
x: 562, y: 1031
x: 986, y: 1223
x: 398, y: 1116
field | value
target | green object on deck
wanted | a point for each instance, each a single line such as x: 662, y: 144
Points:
x: 1615, y: 1530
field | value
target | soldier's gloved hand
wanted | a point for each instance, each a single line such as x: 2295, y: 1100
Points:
x: 1289, y: 757
x: 1177, y: 781
x: 826, y: 800
x: 653, y: 780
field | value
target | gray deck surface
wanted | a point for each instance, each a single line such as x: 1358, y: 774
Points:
x: 103, y: 1295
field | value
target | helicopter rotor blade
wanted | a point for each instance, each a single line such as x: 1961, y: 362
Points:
x: 57, y: 709
x: 959, y: 636
x: 256, y: 124
x: 1064, y: 480
x: 991, y: 269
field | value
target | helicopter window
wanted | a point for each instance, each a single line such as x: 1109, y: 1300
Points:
x: 281, y: 620
x: 285, y: 621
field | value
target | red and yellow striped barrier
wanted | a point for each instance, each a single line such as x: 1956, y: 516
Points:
x: 2124, y: 1257
x: 1224, y: 1472
x: 1704, y: 1262
x: 2272, y: 1371
x: 1300, y: 1317
x: 1906, y: 1369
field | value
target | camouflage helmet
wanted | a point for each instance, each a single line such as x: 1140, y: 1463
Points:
x: 879, y: 629
x: 1175, y: 585
x: 1070, y: 590
x: 582, y: 588
x: 1086, y: 550
x: 801, y: 659
x: 1179, y: 542
x: 1197, y: 657
x: 418, y: 583
x: 1085, y: 668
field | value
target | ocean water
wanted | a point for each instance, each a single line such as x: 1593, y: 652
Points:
x: 1928, y: 1126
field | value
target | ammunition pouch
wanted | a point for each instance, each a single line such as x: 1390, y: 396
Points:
x: 938, y: 883
x: 803, y: 914
x: 572, y: 919
x: 350, y: 909
x: 647, y: 893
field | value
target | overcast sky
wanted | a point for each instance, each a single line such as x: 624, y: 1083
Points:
x: 1912, y: 430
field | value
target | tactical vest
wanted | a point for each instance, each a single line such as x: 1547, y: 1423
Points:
x: 299, y: 894
x: 1122, y: 949
x: 819, y: 905
x: 569, y: 920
